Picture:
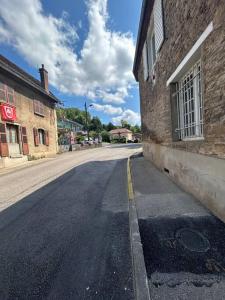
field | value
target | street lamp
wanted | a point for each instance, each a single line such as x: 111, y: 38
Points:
x: 86, y: 116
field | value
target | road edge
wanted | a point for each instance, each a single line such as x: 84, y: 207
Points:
x: 139, y: 270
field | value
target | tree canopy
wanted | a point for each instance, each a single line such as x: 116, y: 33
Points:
x: 94, y: 123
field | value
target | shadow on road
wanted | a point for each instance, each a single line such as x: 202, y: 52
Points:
x: 69, y: 239
x: 128, y: 146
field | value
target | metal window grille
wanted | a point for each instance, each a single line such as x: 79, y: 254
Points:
x: 190, y: 104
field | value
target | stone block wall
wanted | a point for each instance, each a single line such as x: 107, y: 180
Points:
x: 184, y: 22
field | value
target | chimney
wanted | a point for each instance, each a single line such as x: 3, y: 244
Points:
x: 44, y: 78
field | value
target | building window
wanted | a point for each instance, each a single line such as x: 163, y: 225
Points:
x: 7, y: 94
x: 39, y: 108
x: 190, y: 104
x: 154, y: 40
x: 12, y: 134
x: 41, y: 136
x: 151, y: 52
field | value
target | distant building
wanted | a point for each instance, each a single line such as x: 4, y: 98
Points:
x: 137, y: 137
x: 27, y: 115
x: 68, y: 131
x: 180, y: 67
x: 121, y: 133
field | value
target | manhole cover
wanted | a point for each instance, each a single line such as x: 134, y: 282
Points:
x: 192, y: 240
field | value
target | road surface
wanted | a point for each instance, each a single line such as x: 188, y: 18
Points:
x: 64, y: 228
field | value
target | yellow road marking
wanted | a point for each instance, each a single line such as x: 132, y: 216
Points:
x: 129, y: 181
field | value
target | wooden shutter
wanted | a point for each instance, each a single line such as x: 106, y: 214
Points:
x: 158, y: 24
x: 145, y: 61
x: 36, y: 137
x: 24, y: 141
x: 4, y: 150
x: 46, y: 138
x: 3, y: 96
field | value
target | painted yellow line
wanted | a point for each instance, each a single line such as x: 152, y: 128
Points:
x: 129, y: 181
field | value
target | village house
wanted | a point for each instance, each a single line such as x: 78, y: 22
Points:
x: 28, y: 124
x: 180, y: 67
x: 120, y: 134
x: 68, y: 132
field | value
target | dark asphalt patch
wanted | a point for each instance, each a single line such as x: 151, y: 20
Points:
x: 166, y: 250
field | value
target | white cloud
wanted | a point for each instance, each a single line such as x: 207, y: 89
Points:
x: 128, y: 115
x: 107, y: 109
x: 103, y: 69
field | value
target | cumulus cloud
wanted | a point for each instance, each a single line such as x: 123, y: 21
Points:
x: 107, y: 109
x: 128, y: 115
x: 103, y: 68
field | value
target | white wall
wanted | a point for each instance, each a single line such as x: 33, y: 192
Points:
x: 200, y: 175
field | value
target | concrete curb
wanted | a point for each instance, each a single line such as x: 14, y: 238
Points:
x: 139, y: 270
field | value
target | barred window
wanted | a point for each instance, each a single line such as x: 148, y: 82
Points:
x: 190, y: 104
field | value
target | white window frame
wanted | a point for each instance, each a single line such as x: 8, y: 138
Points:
x: 190, y: 104
x: 41, y: 136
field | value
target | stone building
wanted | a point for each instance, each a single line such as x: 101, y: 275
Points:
x: 180, y: 67
x: 28, y: 125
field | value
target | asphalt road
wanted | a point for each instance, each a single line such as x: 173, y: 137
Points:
x: 64, y: 228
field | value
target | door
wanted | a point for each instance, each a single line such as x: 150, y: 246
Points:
x: 13, y: 140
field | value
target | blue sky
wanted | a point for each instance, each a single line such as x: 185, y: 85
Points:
x: 87, y: 47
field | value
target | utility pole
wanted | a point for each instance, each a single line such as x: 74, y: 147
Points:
x: 86, y: 117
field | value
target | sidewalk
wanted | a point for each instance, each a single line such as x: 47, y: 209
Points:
x: 183, y: 243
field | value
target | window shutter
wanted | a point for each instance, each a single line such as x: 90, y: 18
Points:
x: 145, y: 61
x: 36, y: 137
x: 149, y: 53
x: 158, y: 24
x: 3, y: 92
x: 4, y: 150
x: 24, y: 141
x: 46, y: 138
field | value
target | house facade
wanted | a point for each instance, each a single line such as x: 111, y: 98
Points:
x: 28, y: 124
x: 121, y: 133
x: 68, y: 131
x: 180, y: 67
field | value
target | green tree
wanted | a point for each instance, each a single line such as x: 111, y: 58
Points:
x: 110, y: 126
x: 96, y: 124
x: 73, y: 114
x: 125, y: 124
x: 105, y: 136
x: 136, y: 129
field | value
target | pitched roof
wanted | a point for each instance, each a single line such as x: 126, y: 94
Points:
x: 146, y: 10
x: 120, y: 130
x: 64, y: 120
x: 19, y: 74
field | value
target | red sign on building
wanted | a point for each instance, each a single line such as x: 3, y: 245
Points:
x: 8, y: 113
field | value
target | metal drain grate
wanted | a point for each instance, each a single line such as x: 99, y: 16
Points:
x: 192, y: 240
